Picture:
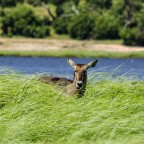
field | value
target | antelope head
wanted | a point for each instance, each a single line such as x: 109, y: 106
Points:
x: 80, y: 74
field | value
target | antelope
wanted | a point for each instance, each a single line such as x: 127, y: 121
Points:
x: 78, y: 84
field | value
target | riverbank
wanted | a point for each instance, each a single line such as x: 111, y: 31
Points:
x: 65, y: 48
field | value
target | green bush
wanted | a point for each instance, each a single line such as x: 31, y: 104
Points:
x: 133, y: 36
x: 1, y: 12
x: 102, y: 4
x: 36, y: 2
x: 61, y: 24
x: 22, y: 21
x: 10, y: 3
x: 106, y: 27
x: 59, y: 11
x: 60, y: 2
x: 128, y: 36
x: 81, y: 26
x: 36, y: 32
x: 118, y: 11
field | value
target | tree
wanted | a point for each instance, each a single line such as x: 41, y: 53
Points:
x: 60, y: 2
x: 23, y: 21
x: 134, y: 35
x: 106, y: 27
x: 100, y: 4
x: 81, y: 26
x: 10, y: 3
x: 130, y: 7
x: 60, y: 8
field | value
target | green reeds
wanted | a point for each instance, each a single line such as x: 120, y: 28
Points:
x: 74, y: 53
x: 32, y: 112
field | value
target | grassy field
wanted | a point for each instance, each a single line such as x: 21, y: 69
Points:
x: 73, y: 53
x: 31, y: 112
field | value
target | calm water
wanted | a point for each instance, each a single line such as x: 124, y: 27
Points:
x: 59, y: 66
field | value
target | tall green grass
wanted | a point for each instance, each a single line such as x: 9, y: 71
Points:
x: 32, y: 112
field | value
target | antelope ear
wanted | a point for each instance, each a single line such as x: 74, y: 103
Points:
x: 91, y: 64
x: 71, y: 62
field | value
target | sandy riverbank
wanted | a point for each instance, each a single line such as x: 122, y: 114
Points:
x: 23, y: 44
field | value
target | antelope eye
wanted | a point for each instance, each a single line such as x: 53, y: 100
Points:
x: 83, y: 72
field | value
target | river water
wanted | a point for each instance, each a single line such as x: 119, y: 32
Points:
x: 59, y: 66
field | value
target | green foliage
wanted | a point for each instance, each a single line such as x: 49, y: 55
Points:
x: 106, y: 27
x: 36, y: 2
x: 33, y: 112
x: 22, y: 21
x: 36, y: 32
x: 1, y: 12
x: 95, y: 19
x: 57, y: 2
x: 59, y: 11
x: 10, y: 3
x: 134, y: 34
x: 81, y: 26
x: 102, y: 4
x: 118, y: 11
x: 60, y: 2
x: 135, y: 6
x: 66, y: 9
x: 61, y: 24
x: 129, y: 36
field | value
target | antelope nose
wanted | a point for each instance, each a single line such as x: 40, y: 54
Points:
x: 79, y: 83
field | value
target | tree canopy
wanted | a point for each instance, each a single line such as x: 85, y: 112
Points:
x: 81, y: 19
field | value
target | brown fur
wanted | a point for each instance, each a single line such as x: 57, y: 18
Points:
x: 56, y: 80
x: 78, y: 84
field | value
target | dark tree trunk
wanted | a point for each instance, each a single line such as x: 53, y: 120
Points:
x: 128, y: 9
x: 49, y: 11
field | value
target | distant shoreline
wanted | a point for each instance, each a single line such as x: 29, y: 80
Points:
x: 67, y: 48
